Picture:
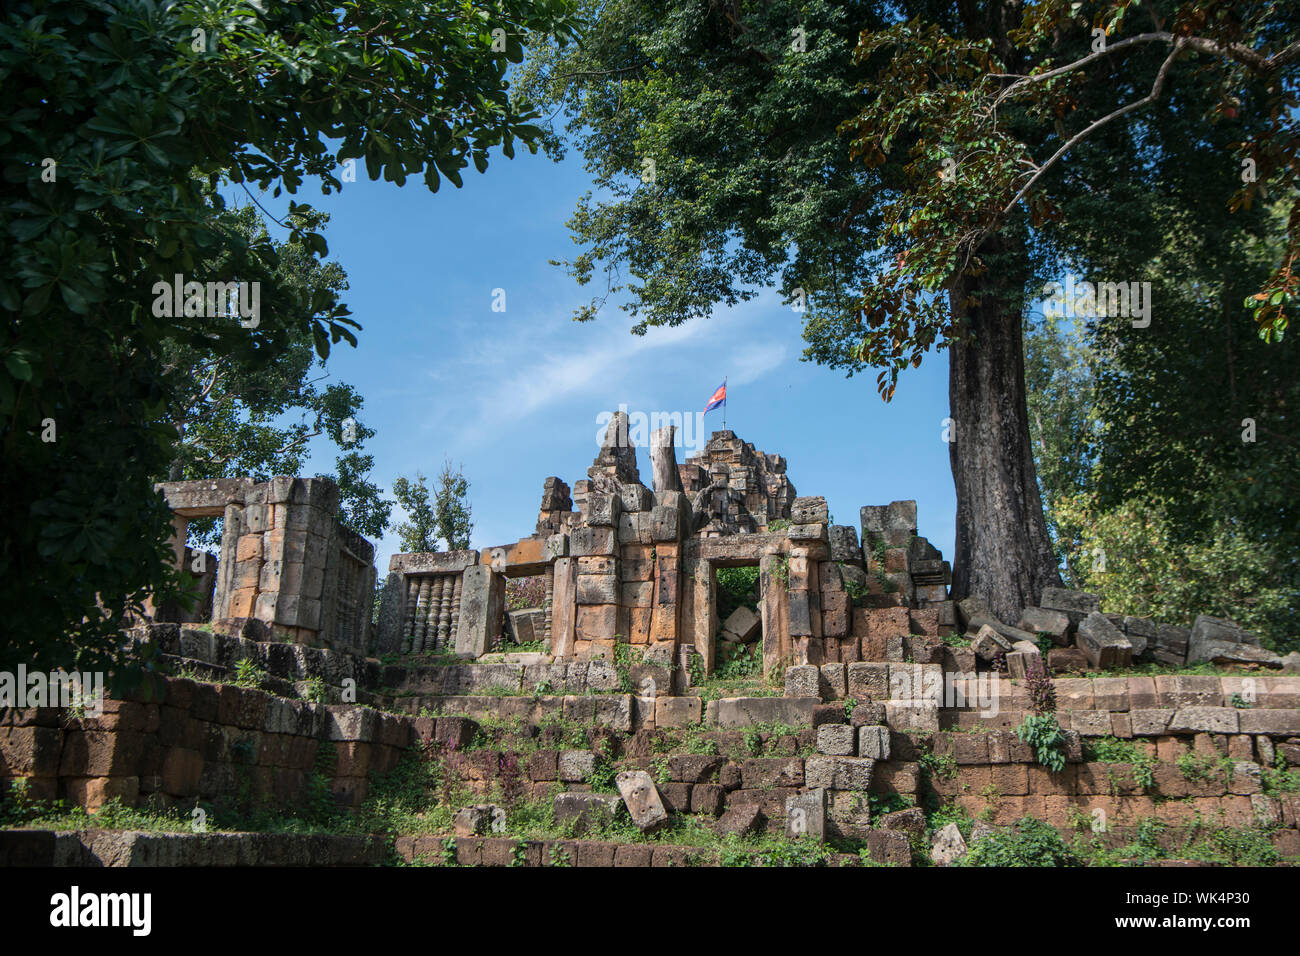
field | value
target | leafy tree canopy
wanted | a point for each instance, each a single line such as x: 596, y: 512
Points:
x: 113, y: 106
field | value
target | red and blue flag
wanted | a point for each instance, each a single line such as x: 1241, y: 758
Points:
x: 719, y: 398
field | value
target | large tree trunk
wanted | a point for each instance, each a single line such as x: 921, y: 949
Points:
x: 1003, y: 552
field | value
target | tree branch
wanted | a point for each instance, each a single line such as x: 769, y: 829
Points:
x: 1156, y: 88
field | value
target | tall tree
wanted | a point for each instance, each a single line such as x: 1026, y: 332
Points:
x: 443, y: 517
x: 419, y: 532
x: 113, y: 106
x: 233, y: 419
x: 726, y: 139
x: 1170, y: 470
x: 451, y: 508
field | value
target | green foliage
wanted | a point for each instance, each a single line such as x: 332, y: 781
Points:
x: 1113, y: 750
x: 882, y: 803
x: 745, y: 661
x: 248, y: 674
x: 935, y: 766
x: 1198, y: 767
x: 419, y: 531
x: 1029, y: 842
x: 235, y: 419
x: 1044, y: 734
x: 315, y: 691
x: 1232, y: 846
x: 695, y: 666
x: 141, y: 124
x: 737, y: 587
x: 443, y: 516
x: 800, y: 852
x: 451, y: 508
x: 1155, y: 495
x: 1279, y: 778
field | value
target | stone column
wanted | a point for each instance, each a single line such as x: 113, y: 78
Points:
x: 481, y: 605
x: 564, y: 607
x: 703, y: 602
x: 232, y: 529
x: 775, y: 612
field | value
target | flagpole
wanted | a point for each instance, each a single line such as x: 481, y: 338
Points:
x: 724, y: 403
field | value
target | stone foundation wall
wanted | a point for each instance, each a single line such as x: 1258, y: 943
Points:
x: 211, y: 742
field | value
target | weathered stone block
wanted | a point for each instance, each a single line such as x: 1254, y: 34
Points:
x: 803, y: 680
x: 910, y: 715
x: 575, y: 766
x: 641, y: 799
x: 837, y: 740
x: 592, y: 541
x: 1077, y: 605
x: 1039, y: 620
x: 1104, y: 644
x: 597, y: 589
x: 873, y: 742
x: 805, y: 815
x: 868, y: 680
x: 678, y: 711
x: 833, y: 684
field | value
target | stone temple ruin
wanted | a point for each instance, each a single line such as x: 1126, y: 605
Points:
x: 623, y: 562
x: 872, y: 677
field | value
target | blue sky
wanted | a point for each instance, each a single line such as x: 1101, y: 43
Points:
x: 515, y: 396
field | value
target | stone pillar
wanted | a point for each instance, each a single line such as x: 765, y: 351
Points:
x: 703, y: 602
x: 180, y: 531
x: 481, y: 605
x: 775, y: 612
x: 232, y: 529
x: 564, y: 608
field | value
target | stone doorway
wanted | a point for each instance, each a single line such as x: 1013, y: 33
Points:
x: 737, y: 632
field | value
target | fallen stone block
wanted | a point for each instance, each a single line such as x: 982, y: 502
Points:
x: 743, y: 625
x: 1076, y: 605
x: 585, y: 809
x: 1024, y: 659
x: 1041, y: 620
x: 889, y: 847
x: 1104, y: 644
x: 740, y: 819
x: 1141, y: 633
x: 479, y: 819
x: 988, y: 643
x: 911, y: 822
x: 949, y: 846
x: 642, y: 800
x: 970, y: 608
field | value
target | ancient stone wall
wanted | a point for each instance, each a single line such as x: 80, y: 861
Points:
x: 217, y: 743
x: 285, y: 559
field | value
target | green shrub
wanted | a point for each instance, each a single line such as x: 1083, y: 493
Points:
x: 1044, y: 734
x: 737, y: 587
x: 1029, y: 842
